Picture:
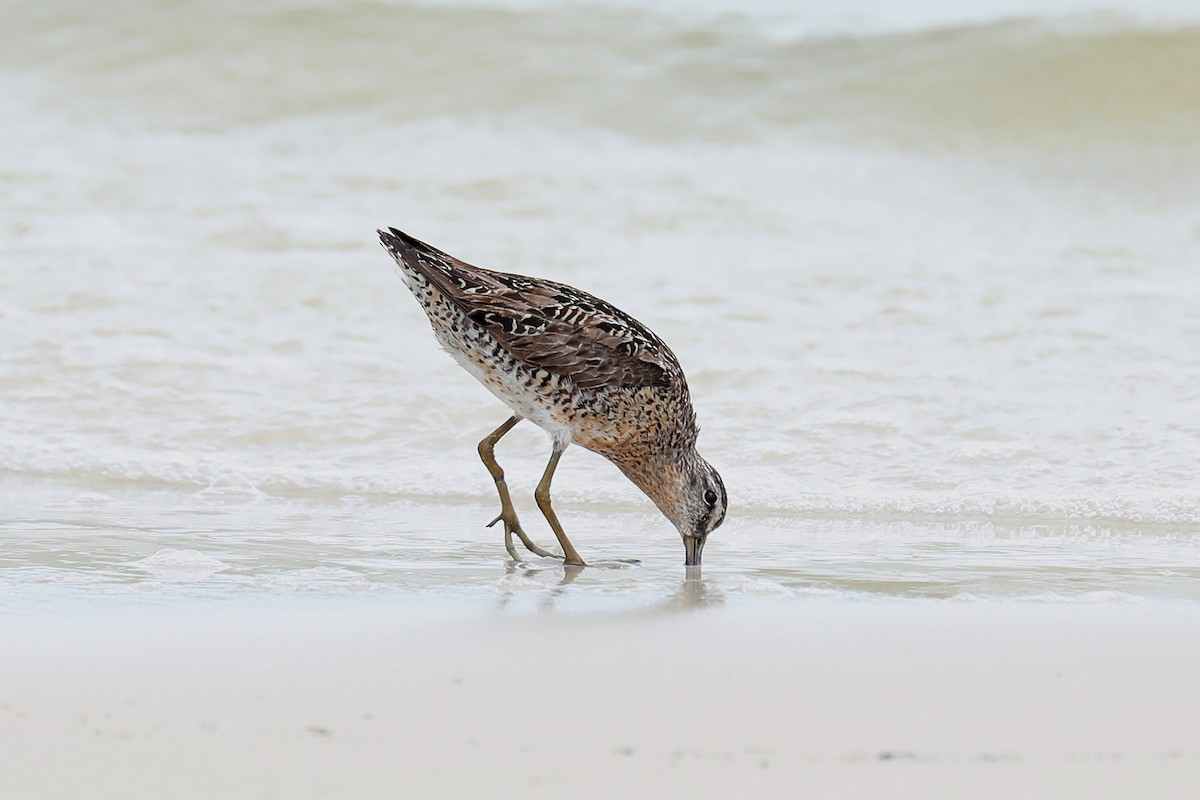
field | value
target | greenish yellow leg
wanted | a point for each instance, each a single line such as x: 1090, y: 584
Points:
x: 542, y: 495
x: 487, y: 452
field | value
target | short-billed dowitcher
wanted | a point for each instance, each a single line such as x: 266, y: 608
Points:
x: 578, y: 368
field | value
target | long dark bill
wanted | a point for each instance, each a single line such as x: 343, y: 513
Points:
x: 692, y: 546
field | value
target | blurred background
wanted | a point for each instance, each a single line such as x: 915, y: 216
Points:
x: 929, y: 267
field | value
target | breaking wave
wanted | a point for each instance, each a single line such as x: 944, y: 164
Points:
x: 1071, y: 82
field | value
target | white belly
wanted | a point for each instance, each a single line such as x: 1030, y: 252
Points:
x: 509, y: 389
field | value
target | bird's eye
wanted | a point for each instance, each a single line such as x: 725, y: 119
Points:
x: 710, y: 497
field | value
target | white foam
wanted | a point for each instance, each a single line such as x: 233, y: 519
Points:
x: 169, y: 564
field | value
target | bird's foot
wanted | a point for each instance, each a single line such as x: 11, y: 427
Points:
x: 511, y: 526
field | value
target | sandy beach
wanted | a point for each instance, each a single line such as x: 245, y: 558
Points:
x: 348, y: 699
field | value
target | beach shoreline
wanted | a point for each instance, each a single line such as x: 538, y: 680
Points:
x: 361, y: 698
x: 930, y: 270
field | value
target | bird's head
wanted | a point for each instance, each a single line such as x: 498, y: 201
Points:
x: 688, y: 491
x: 701, y: 509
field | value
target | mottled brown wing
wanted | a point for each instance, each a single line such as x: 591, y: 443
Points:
x: 546, y: 324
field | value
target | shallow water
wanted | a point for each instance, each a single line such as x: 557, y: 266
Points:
x: 933, y: 276
x: 162, y: 547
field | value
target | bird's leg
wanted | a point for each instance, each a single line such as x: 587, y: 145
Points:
x: 487, y: 452
x: 542, y: 495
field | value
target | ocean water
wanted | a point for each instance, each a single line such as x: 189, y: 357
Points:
x: 933, y: 273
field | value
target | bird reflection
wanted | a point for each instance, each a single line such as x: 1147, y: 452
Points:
x: 692, y: 593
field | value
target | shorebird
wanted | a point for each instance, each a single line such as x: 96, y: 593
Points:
x: 580, y: 369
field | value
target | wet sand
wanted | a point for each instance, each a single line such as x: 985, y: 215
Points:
x: 362, y: 698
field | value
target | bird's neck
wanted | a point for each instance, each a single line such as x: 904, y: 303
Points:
x: 663, y: 475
